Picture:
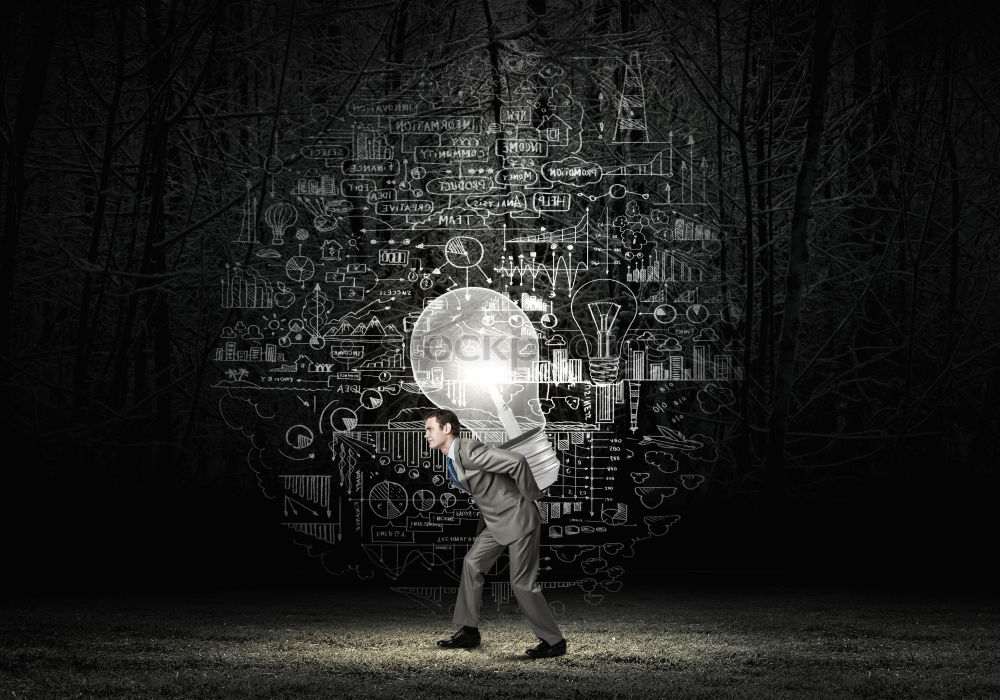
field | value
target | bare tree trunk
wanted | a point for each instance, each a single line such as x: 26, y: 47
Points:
x: 496, y: 98
x: 15, y: 145
x: 398, y: 45
x: 742, y: 452
x: 764, y: 235
x: 863, y: 216
x: 904, y: 409
x: 947, y: 87
x: 982, y: 448
x: 951, y: 310
x: 536, y: 12
x: 745, y: 444
x: 798, y: 255
x: 85, y: 332
x: 719, y: 160
x: 493, y: 47
x: 157, y: 327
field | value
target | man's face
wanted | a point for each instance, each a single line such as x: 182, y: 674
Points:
x: 435, y: 435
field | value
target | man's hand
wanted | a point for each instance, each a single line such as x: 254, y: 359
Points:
x: 542, y: 495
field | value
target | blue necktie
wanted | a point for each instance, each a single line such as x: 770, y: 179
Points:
x: 451, y: 473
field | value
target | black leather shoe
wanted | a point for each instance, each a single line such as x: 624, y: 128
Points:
x: 544, y: 650
x: 465, y: 638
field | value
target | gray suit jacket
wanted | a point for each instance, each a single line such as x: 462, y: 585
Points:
x: 503, y: 486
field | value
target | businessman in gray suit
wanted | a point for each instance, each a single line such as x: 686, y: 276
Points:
x: 505, y: 490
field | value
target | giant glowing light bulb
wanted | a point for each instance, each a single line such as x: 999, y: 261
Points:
x: 475, y: 352
x: 604, y: 311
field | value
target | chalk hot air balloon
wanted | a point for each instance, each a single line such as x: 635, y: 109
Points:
x: 280, y: 216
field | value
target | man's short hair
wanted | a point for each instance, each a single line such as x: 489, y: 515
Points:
x: 443, y: 416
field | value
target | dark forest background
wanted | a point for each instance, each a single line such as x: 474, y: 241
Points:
x: 857, y: 145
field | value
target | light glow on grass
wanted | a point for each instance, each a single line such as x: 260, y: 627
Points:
x: 647, y: 642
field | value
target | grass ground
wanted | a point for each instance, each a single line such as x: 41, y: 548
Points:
x: 667, y: 641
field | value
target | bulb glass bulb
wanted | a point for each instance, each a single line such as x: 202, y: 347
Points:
x: 475, y: 352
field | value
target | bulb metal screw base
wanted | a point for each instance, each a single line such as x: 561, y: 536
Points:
x: 541, y: 456
x: 604, y: 371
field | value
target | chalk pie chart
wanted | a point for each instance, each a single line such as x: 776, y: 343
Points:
x: 463, y: 252
x: 424, y: 500
x: 388, y: 499
x: 343, y: 419
x: 300, y: 268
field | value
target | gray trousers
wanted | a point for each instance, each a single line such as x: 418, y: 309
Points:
x: 523, y: 574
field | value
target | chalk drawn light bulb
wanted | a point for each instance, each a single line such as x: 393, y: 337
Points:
x: 475, y: 352
x: 604, y: 310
